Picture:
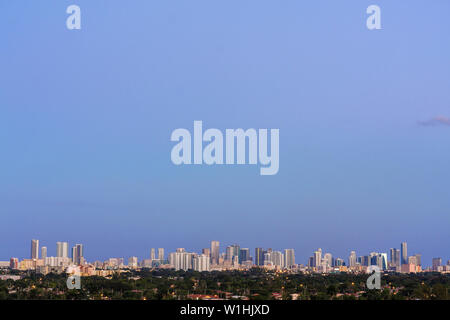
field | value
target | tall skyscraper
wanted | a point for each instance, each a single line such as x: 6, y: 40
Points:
x: 215, y: 247
x: 244, y: 255
x: 317, y: 258
x: 62, y: 249
x: 34, y: 249
x: 43, y: 253
x: 404, y: 253
x: 152, y: 254
x: 436, y: 263
x: 395, y: 257
x: 259, y: 256
x: 161, y: 254
x: 78, y: 254
x: 289, y: 257
x: 352, y: 259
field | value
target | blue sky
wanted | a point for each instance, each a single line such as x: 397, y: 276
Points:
x: 86, y: 117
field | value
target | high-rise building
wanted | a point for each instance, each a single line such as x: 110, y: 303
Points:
x: 289, y: 257
x: 259, y: 256
x: 43, y: 253
x: 317, y: 258
x: 395, y: 257
x: 419, y: 259
x: 215, y: 251
x: 244, y: 255
x: 327, y: 260
x: 207, y: 252
x: 436, y: 263
x: 133, y: 262
x: 14, y: 263
x: 352, y: 259
x: 277, y: 259
x: 181, y: 260
x: 34, y: 249
x: 161, y: 254
x: 152, y: 254
x: 201, y: 263
x: 404, y: 253
x: 62, y: 249
x: 78, y: 254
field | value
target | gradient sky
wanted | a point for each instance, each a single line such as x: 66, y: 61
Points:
x: 86, y: 118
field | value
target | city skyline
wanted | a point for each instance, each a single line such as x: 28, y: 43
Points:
x: 392, y: 255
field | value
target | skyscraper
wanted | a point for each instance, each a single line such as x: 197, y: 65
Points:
x: 34, y: 249
x: 215, y: 246
x: 259, y: 256
x: 352, y: 259
x: 78, y: 254
x: 317, y: 258
x: 289, y: 257
x: 62, y: 249
x: 152, y: 254
x: 43, y: 253
x: 244, y: 255
x: 404, y: 253
x: 161, y: 254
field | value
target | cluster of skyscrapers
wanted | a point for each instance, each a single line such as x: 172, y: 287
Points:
x: 233, y: 257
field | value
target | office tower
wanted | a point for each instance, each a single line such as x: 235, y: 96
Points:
x: 436, y: 263
x: 43, y: 253
x: 352, y: 259
x: 268, y: 258
x: 395, y: 257
x: 244, y: 255
x: 338, y: 262
x: 365, y: 261
x: 259, y: 256
x: 404, y: 253
x: 201, y: 263
x: 78, y: 254
x: 62, y: 249
x: 14, y: 263
x: 419, y: 259
x: 34, y: 249
x: 317, y: 258
x: 412, y: 260
x: 235, y: 251
x: 384, y: 261
x: 328, y: 259
x: 311, y: 262
x: 181, y: 260
x: 152, y: 254
x: 161, y: 254
x: 289, y: 257
x: 207, y: 252
x: 229, y: 253
x: 215, y: 246
x: 277, y: 259
x: 392, y: 256
x: 133, y: 262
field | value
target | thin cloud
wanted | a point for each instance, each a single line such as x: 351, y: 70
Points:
x: 436, y: 121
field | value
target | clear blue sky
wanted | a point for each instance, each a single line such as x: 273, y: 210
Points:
x: 86, y: 118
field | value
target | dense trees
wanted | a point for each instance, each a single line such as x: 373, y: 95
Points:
x: 254, y: 284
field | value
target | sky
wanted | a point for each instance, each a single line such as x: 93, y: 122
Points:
x: 86, y: 117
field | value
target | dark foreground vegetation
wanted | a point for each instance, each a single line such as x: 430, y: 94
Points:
x: 255, y: 284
